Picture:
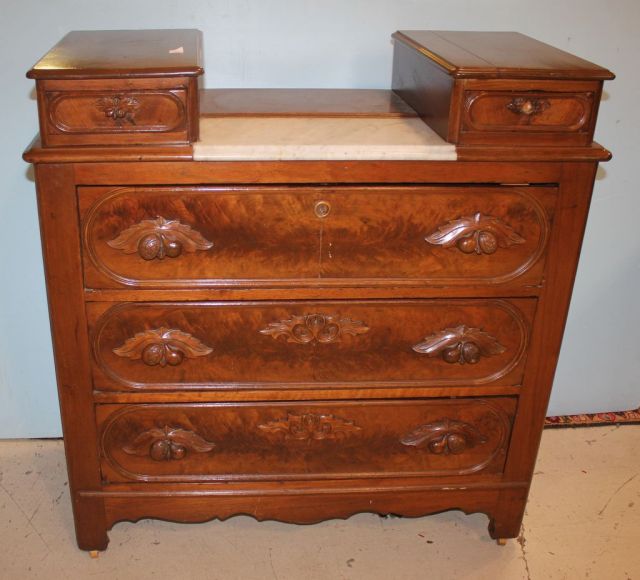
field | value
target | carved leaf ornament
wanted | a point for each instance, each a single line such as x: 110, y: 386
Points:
x: 159, y: 238
x: 323, y: 328
x: 311, y: 426
x: 167, y: 443
x: 460, y: 345
x: 162, y: 346
x: 444, y: 437
x: 478, y: 233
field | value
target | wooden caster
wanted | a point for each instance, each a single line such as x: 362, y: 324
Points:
x: 94, y: 554
x: 502, y: 541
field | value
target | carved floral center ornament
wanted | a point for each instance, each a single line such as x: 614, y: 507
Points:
x: 322, y: 328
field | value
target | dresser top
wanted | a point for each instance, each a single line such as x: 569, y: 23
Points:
x: 122, y: 53
x: 499, y: 55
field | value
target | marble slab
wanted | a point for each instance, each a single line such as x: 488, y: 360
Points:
x: 312, y: 138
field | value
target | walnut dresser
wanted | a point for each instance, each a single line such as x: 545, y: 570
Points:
x: 305, y: 304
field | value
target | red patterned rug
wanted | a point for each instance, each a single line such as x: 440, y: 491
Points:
x: 589, y: 419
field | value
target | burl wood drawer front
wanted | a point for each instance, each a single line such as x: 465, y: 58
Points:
x: 310, y: 236
x: 306, y: 344
x: 277, y: 441
x: 115, y: 112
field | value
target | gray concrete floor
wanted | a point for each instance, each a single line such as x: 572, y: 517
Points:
x: 582, y: 521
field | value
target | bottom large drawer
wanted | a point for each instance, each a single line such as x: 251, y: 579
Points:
x: 277, y: 441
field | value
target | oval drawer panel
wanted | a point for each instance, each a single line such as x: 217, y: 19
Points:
x: 305, y: 344
x: 527, y: 111
x: 304, y: 236
x: 117, y: 112
x: 186, y: 237
x: 277, y: 441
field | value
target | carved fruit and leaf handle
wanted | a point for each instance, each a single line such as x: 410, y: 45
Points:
x: 119, y: 108
x: 530, y: 107
x: 162, y: 346
x: 460, y: 344
x: 159, y: 238
x: 480, y: 234
x: 444, y: 437
x: 167, y: 443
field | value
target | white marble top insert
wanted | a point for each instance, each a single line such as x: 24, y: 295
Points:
x: 318, y: 138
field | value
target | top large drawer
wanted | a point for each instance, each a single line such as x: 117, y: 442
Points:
x: 155, y: 237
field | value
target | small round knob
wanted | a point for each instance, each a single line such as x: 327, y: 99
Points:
x: 177, y: 451
x: 487, y: 242
x: 153, y: 354
x: 173, y: 248
x: 322, y: 209
x: 456, y: 443
x: 451, y: 354
x: 467, y: 244
x: 527, y: 107
x: 173, y: 355
x: 150, y: 247
x: 438, y: 446
x: 160, y: 450
x: 470, y: 352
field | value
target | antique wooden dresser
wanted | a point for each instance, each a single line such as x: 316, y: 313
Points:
x: 299, y: 304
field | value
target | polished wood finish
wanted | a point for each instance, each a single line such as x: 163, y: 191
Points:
x: 497, y: 88
x: 305, y: 340
x: 99, y: 112
x: 57, y: 207
x: 312, y: 441
x: 318, y: 171
x: 124, y: 54
x: 120, y: 87
x: 499, y: 55
x: 314, y: 236
x: 297, y: 344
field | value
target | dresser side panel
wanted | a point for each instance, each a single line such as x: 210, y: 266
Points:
x: 59, y: 228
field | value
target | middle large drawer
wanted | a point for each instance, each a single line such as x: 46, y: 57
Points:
x: 305, y: 344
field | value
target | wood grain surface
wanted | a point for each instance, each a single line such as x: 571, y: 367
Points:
x: 311, y: 441
x: 261, y: 236
x: 240, y: 348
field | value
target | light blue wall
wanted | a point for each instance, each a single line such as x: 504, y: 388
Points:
x: 343, y: 43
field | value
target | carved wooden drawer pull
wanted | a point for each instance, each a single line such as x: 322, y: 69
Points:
x: 460, y: 345
x: 310, y: 426
x: 159, y: 238
x: 529, y: 107
x: 162, y: 346
x: 482, y: 234
x: 323, y: 328
x: 120, y: 108
x: 167, y: 443
x: 444, y: 437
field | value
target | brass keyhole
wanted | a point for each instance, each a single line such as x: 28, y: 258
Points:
x: 322, y: 209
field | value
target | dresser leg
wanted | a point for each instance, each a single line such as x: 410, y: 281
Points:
x: 506, y: 521
x: 91, y: 529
